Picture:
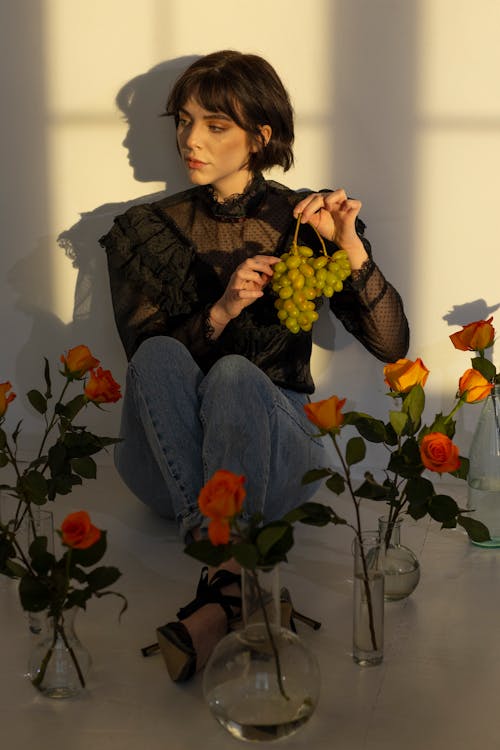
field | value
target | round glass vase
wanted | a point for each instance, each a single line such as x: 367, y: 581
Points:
x: 59, y: 663
x: 401, y: 566
x: 261, y: 683
x: 484, y: 469
x: 368, y: 600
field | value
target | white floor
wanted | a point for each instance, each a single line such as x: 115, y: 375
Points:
x: 437, y: 688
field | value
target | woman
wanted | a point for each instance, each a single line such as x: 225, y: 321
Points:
x: 214, y: 379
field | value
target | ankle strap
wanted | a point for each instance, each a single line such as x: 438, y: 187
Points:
x: 210, y: 593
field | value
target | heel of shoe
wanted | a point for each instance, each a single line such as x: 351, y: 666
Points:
x: 176, y: 648
x: 289, y: 614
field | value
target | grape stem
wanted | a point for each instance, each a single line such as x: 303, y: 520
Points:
x: 294, y: 247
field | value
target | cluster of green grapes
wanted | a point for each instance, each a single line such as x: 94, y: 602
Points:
x: 299, y: 278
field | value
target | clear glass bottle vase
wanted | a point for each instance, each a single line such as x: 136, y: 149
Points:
x: 261, y: 683
x: 484, y: 469
x: 59, y: 663
x: 401, y: 566
x: 368, y: 600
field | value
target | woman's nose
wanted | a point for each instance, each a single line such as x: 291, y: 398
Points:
x: 192, y: 135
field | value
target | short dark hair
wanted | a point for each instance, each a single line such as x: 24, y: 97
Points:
x: 248, y: 89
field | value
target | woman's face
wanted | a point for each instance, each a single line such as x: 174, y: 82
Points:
x: 215, y: 150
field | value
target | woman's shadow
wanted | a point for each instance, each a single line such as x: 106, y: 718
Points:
x: 150, y: 143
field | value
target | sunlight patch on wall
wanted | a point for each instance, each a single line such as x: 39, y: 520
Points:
x: 86, y: 66
x: 458, y: 158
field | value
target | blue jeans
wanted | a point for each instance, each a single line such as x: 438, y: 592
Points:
x: 179, y: 426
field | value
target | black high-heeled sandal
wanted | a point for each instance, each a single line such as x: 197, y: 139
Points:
x: 289, y: 614
x: 175, y: 643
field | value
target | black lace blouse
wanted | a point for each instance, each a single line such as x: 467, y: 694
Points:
x: 170, y: 261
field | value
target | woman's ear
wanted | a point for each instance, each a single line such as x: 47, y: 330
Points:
x: 266, y: 133
x: 265, y: 136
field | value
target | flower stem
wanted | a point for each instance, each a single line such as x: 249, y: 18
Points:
x: 368, y: 593
x: 279, y: 675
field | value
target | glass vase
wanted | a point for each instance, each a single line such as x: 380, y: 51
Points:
x: 39, y: 524
x: 401, y: 566
x: 368, y: 600
x: 59, y: 663
x: 484, y: 469
x: 261, y: 683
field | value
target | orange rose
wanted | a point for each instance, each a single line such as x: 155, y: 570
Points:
x: 78, y: 361
x: 101, y: 388
x: 474, y: 337
x: 439, y: 453
x: 77, y: 531
x: 327, y: 414
x: 4, y: 398
x: 402, y: 375
x: 222, y: 496
x: 474, y: 386
x: 218, y: 531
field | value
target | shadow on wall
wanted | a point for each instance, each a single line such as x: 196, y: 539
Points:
x: 152, y: 154
x: 150, y: 143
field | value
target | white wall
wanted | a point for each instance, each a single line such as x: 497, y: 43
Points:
x: 398, y: 101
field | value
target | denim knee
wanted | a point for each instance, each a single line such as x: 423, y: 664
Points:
x: 235, y: 374
x: 157, y: 351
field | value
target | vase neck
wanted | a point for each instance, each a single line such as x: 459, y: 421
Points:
x: 390, y: 533
x: 260, y: 596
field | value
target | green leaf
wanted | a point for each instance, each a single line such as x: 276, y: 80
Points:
x: 485, y: 367
x: 476, y: 530
x: 336, y: 483
x: 34, y: 594
x: 206, y: 552
x: 368, y: 427
x: 441, y: 424
x: 246, y: 555
x: 355, y: 451
x: 37, y: 401
x: 270, y: 536
x: 373, y: 490
x: 314, y: 475
x: 3, y: 439
x: 463, y: 470
x: 102, y: 577
x: 41, y: 560
x: 91, y: 555
x: 85, y: 467
x: 406, y: 462
x: 443, y: 508
x: 58, y: 459
x: 3, y: 460
x: 398, y: 421
x: 414, y: 402
x: 282, y: 543
x: 71, y: 409
x: 15, y: 569
x: 32, y: 487
x: 419, y: 488
x: 78, y: 598
x: 46, y: 375
x: 312, y: 514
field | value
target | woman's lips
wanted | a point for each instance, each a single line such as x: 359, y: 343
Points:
x: 194, y: 163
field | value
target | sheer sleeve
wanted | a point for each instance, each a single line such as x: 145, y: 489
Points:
x: 157, y: 285
x: 372, y: 310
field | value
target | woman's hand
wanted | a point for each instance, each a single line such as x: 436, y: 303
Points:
x: 244, y: 287
x: 334, y: 216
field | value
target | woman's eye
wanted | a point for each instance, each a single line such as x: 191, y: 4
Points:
x: 182, y: 122
x: 216, y: 129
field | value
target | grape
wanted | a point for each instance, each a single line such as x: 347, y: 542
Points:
x: 299, y: 278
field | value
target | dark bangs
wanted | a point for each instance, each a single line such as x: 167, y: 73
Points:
x: 247, y: 89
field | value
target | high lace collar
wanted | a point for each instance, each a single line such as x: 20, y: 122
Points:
x: 236, y: 207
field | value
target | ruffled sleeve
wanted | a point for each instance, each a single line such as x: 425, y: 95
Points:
x: 157, y: 282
